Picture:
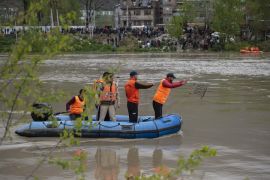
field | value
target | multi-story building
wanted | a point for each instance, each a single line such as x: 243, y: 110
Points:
x: 134, y: 13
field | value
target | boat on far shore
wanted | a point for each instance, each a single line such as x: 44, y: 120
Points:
x: 250, y: 50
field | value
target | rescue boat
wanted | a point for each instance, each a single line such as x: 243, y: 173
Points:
x: 146, y: 127
x: 254, y: 50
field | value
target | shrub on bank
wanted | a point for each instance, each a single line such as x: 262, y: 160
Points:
x: 236, y: 46
x: 6, y: 43
x: 264, y: 45
x: 86, y: 45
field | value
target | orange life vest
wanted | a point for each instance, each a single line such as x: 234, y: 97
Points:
x: 97, y: 84
x: 109, y: 92
x: 162, y: 93
x: 132, y: 92
x: 77, y: 106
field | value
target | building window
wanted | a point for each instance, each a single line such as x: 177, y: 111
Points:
x: 136, y: 23
x: 147, y: 12
x: 137, y: 12
x: 148, y: 23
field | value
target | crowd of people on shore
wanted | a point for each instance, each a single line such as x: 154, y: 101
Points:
x: 108, y: 95
x: 147, y: 37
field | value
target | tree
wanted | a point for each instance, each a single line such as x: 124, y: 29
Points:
x: 8, y: 10
x: 178, y: 22
x: 228, y: 17
x: 60, y: 7
x: 258, y: 15
x: 90, y: 7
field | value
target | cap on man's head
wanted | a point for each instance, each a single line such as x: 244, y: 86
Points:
x: 171, y: 75
x: 133, y: 73
x: 105, y: 74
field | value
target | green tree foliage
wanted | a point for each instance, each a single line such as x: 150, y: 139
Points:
x: 21, y: 86
x: 228, y: 16
x: 14, y: 8
x: 258, y: 15
x: 183, y: 165
x: 178, y: 22
x: 175, y: 28
x: 90, y: 6
x: 19, y: 75
x: 63, y: 7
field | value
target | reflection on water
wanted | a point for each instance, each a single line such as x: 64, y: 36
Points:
x: 158, y: 164
x: 107, y: 164
x: 133, y: 161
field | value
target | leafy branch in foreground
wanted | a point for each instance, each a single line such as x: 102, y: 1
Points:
x: 20, y: 72
x: 78, y: 163
x: 183, y: 166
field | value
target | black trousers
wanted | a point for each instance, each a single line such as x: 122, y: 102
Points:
x: 158, y: 109
x: 132, y: 111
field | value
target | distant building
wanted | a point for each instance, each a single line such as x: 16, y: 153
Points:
x: 137, y: 13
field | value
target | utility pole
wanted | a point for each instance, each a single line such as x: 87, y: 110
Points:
x: 127, y: 16
x: 206, y: 13
x: 57, y: 18
x: 94, y: 21
x: 52, y: 23
x: 94, y: 17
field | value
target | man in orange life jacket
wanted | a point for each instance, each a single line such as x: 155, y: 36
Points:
x: 132, y: 93
x: 98, y: 86
x: 108, y: 97
x: 163, y: 92
x: 75, y: 106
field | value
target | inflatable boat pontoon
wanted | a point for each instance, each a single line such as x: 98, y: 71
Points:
x: 147, y: 127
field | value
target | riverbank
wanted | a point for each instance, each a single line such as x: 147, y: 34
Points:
x: 188, y: 55
x: 131, y: 45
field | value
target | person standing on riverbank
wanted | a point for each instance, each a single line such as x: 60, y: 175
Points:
x: 75, y: 106
x: 133, y: 96
x: 163, y: 92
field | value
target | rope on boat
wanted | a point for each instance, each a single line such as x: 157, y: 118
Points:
x: 109, y: 126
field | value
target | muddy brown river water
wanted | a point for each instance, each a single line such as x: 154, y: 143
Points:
x: 233, y: 117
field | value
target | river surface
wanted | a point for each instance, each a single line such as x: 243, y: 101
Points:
x: 233, y: 117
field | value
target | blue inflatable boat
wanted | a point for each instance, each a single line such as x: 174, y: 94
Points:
x: 147, y: 127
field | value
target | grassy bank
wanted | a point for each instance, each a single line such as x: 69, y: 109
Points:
x: 84, y: 45
x: 6, y: 43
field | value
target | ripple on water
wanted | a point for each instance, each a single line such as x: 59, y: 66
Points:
x: 86, y: 68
